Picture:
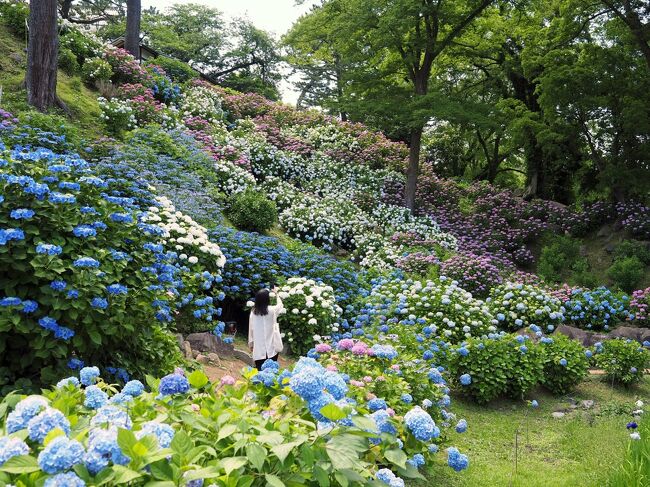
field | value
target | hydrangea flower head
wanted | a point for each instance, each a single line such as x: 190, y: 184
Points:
x: 60, y: 454
x: 133, y: 388
x: 68, y: 479
x: 456, y: 460
x: 163, y: 432
x: 40, y: 425
x: 421, y: 425
x: 23, y: 412
x: 89, y: 375
x: 11, y: 447
x: 173, y: 384
x: 95, y: 397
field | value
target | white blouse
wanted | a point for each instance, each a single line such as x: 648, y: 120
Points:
x: 260, y: 331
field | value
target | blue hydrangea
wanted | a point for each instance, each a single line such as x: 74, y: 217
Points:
x: 84, y: 231
x: 10, y: 301
x: 133, y: 388
x: 421, y: 425
x: 461, y: 426
x: 29, y: 306
x: 417, y: 460
x: 307, y: 383
x: 67, y: 381
x: 534, y: 403
x: 163, y: 432
x: 117, y: 289
x: 588, y: 353
x: 11, y: 447
x: 335, y: 384
x: 376, y: 404
x: 22, y: 214
x: 86, y: 262
x: 456, y: 460
x: 60, y: 454
x: 406, y: 398
x: 68, y: 479
x: 173, y: 384
x: 58, y: 285
x: 95, y: 397
x: 317, y: 403
x: 383, y: 422
x: 75, y: 364
x: 112, y: 416
x: 384, y: 351
x: 40, y: 425
x: 271, y: 365
x: 121, y: 217
x: 9, y: 234
x: 388, y: 477
x: 563, y: 362
x: 89, y: 375
x: 99, y: 303
x: 103, y: 449
x: 266, y: 377
x: 465, y: 379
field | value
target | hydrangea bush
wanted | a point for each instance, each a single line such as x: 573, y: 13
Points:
x: 624, y: 361
x: 518, y: 306
x: 596, y: 309
x: 88, y: 272
x: 311, y: 310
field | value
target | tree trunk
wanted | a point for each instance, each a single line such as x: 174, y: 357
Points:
x: 65, y: 9
x: 414, y: 167
x: 42, y: 53
x: 132, y: 38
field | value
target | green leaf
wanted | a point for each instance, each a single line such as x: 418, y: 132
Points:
x: 396, y: 456
x: 124, y: 475
x: 181, y: 443
x: 226, y: 431
x: 321, y: 476
x: 197, y: 379
x: 104, y: 477
x: 256, y: 454
x: 20, y: 464
x: 202, y: 473
x: 273, y: 481
x: 332, y: 412
x: 158, y: 483
x: 233, y: 463
x: 343, y: 450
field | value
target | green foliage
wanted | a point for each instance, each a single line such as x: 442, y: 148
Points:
x: 49, y: 122
x: 565, y: 364
x: 178, y: 71
x: 80, y: 44
x: 14, y: 14
x: 498, y: 367
x: 210, y: 432
x: 633, y: 248
x: 624, y: 361
x: 252, y: 211
x: 626, y: 273
x: 559, y: 257
x: 68, y: 61
x: 634, y: 471
x: 96, y: 69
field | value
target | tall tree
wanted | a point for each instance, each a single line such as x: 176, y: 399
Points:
x: 390, y: 47
x: 635, y: 14
x: 132, y: 36
x: 42, y: 54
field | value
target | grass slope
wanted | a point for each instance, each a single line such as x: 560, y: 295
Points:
x: 578, y: 450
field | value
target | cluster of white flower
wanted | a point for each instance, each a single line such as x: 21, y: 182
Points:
x: 183, y: 232
x: 117, y: 113
x: 378, y: 251
x: 201, y: 101
x: 232, y: 179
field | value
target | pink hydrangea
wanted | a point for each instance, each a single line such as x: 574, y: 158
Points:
x: 346, y: 344
x: 323, y: 348
x: 228, y: 380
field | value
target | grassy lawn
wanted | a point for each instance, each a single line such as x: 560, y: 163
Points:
x: 579, y: 449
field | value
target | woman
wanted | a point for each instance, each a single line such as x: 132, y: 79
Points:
x: 263, y: 331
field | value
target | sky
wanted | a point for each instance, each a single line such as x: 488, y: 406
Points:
x: 275, y: 16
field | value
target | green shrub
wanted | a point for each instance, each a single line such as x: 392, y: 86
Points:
x: 559, y: 257
x: 252, y: 211
x: 624, y: 361
x: 178, y: 71
x: 565, y: 363
x: 68, y: 62
x: 507, y: 366
x: 96, y: 69
x: 633, y: 248
x: 14, y: 14
x: 80, y: 44
x: 48, y: 122
x: 79, y: 270
x: 626, y: 273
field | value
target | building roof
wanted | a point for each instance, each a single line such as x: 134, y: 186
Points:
x: 119, y: 43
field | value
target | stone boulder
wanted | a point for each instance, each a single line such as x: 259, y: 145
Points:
x: 208, y: 342
x: 586, y: 338
x: 243, y: 356
x: 629, y: 332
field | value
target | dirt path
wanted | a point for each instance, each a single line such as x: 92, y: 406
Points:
x: 232, y: 366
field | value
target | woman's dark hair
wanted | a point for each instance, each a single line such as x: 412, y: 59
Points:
x: 262, y: 301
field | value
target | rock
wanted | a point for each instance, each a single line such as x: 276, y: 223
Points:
x: 202, y: 359
x: 208, y: 342
x: 581, y: 336
x: 187, y: 350
x: 17, y: 58
x: 627, y: 332
x: 558, y: 414
x: 587, y: 404
x: 180, y: 340
x: 195, y: 353
x: 243, y: 356
x: 214, y: 358
x: 605, y: 231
